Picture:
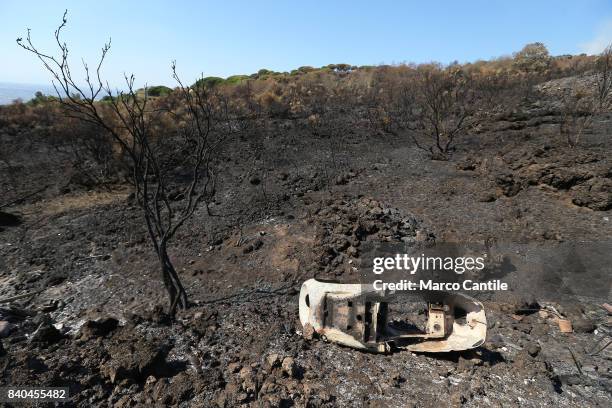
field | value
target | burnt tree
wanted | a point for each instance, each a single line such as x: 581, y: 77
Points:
x: 153, y: 137
x: 582, y: 102
x: 431, y: 105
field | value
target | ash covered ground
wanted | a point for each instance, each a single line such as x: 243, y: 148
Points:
x: 95, y: 319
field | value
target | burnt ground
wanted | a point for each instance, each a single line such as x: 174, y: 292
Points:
x: 302, y: 207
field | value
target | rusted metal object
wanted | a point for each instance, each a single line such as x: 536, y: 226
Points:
x: 358, y: 316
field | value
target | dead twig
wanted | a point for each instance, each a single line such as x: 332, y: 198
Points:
x: 601, y: 349
x: 575, y: 360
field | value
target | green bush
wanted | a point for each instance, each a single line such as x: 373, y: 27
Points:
x: 303, y: 70
x: 40, y: 98
x: 263, y: 72
x: 158, y: 90
x: 533, y: 58
x: 236, y: 79
x: 208, y: 82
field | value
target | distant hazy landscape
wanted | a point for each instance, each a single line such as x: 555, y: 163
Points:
x: 10, y: 91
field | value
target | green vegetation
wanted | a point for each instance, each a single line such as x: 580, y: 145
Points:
x: 41, y: 99
x: 264, y: 72
x: 533, y: 58
x: 158, y: 90
x: 236, y: 79
x: 208, y: 82
x: 303, y: 70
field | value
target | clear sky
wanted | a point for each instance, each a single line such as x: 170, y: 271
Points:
x: 223, y: 38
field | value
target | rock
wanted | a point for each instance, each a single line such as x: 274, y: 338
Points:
x: 245, y: 373
x: 582, y: 325
x: 273, y: 360
x: 169, y: 393
x: 563, y: 179
x: 533, y: 349
x: 595, y: 194
x: 134, y: 361
x: 98, y: 328
x: 289, y: 366
x: 249, y: 383
x: 45, y: 335
x: 308, y: 332
x: 508, y: 185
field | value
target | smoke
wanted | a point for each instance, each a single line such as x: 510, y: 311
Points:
x: 602, y: 39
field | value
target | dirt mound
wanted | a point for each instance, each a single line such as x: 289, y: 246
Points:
x: 342, y: 225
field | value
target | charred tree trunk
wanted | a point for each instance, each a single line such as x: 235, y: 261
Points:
x: 177, y: 295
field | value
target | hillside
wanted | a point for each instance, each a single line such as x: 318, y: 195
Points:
x: 319, y: 164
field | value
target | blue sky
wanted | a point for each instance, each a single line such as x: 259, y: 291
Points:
x: 222, y: 38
